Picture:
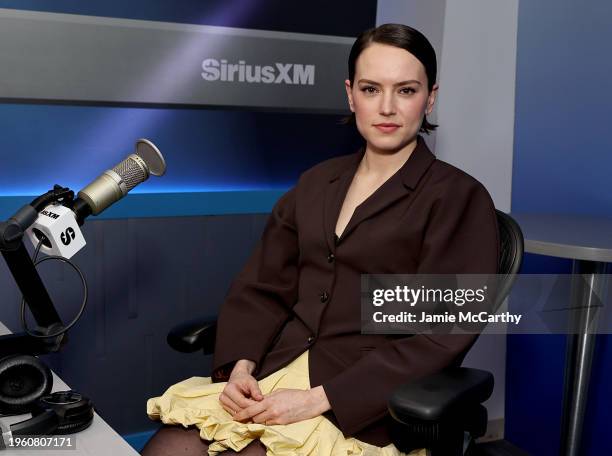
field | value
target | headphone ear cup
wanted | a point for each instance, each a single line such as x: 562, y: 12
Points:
x: 23, y: 380
x: 75, y: 412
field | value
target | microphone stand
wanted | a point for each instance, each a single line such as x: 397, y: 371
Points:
x: 28, y: 280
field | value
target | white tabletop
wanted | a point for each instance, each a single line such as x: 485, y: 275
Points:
x: 578, y: 237
x: 99, y: 439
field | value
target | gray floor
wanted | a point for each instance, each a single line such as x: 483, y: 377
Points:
x: 499, y: 448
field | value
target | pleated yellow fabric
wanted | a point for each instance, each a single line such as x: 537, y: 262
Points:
x: 195, y: 401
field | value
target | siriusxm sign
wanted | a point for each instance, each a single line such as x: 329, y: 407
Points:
x: 280, y: 73
x: 101, y: 59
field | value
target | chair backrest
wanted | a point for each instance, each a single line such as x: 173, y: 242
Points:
x: 512, y: 247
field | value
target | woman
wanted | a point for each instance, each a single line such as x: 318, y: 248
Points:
x: 293, y: 373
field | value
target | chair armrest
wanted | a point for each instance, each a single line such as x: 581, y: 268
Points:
x: 434, y: 397
x: 194, y: 335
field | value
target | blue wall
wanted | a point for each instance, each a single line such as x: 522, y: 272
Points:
x: 562, y: 164
x: 206, y: 150
x: 562, y: 145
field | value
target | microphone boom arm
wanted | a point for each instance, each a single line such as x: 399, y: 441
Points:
x: 27, y: 278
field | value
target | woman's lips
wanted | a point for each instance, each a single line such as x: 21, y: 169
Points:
x: 387, y: 128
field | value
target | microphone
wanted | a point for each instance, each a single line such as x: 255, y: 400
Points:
x: 58, y: 225
x: 114, y: 184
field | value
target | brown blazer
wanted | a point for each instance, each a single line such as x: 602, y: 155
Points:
x: 300, y: 289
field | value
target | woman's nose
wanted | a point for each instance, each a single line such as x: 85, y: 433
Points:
x: 387, y: 104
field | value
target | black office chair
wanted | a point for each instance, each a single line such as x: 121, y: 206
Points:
x: 442, y: 412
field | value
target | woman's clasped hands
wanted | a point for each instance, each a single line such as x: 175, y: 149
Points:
x: 243, y: 399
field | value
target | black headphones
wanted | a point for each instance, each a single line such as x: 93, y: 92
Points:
x: 25, y: 384
x: 23, y: 380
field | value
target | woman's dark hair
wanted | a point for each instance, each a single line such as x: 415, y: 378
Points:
x: 403, y: 37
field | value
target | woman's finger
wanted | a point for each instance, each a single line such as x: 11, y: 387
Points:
x: 254, y: 390
x: 228, y: 404
x: 236, y: 392
x: 251, y: 411
x: 263, y: 418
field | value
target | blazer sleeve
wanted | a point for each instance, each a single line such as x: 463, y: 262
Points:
x: 461, y: 237
x: 260, y: 299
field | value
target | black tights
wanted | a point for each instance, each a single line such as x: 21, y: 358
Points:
x: 180, y: 441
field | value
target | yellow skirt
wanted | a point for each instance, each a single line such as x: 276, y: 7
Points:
x: 195, y: 401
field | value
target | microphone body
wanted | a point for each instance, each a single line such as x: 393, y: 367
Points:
x: 114, y: 184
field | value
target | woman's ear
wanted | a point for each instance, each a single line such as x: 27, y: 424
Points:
x: 431, y: 99
x: 349, y: 94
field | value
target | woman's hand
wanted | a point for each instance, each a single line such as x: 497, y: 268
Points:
x: 285, y: 406
x: 242, y: 390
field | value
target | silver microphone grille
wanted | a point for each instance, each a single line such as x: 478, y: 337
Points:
x: 114, y: 184
x: 133, y: 171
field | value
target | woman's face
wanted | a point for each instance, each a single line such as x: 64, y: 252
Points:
x: 389, y: 97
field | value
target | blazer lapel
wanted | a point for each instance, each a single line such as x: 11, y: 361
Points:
x: 396, y: 187
x: 335, y: 192
x: 389, y: 192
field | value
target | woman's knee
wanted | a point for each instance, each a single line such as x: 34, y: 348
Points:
x: 180, y: 441
x: 255, y: 448
x: 176, y: 440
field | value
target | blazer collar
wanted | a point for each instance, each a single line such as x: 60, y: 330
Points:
x: 397, y: 186
x: 410, y: 172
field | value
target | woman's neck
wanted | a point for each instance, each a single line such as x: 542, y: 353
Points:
x: 385, y: 163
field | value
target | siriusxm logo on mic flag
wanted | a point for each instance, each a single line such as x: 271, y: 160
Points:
x: 68, y: 236
x: 280, y: 73
x: 57, y: 227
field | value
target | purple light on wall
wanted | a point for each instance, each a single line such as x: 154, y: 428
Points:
x: 114, y: 136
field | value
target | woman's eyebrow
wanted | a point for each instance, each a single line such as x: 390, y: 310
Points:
x: 410, y: 81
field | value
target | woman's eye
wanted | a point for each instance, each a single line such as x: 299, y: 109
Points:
x: 407, y: 90
x: 369, y: 89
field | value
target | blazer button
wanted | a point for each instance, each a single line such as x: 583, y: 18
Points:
x: 324, y: 296
x: 311, y: 339
x: 330, y: 258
